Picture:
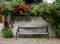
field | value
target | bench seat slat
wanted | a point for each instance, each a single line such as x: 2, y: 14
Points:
x: 32, y: 33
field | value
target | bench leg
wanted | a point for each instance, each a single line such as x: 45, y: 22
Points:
x: 16, y: 35
x: 48, y: 36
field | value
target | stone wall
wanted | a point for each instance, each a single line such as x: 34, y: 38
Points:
x: 28, y: 22
x: 32, y: 22
x: 1, y: 27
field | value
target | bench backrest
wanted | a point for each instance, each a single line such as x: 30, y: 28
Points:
x: 32, y: 28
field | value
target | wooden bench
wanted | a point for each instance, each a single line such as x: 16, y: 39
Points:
x: 33, y: 33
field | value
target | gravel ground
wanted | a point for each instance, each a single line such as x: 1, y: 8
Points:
x: 29, y: 41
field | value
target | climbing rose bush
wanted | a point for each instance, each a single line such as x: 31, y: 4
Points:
x: 21, y: 7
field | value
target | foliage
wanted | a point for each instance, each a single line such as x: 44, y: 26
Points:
x: 50, y: 12
x: 57, y: 31
x: 3, y: 29
x: 34, y: 9
x: 6, y: 33
x: 58, y: 1
x: 16, y: 2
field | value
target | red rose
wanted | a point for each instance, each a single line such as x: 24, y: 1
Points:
x: 22, y: 7
x: 0, y: 9
x: 15, y: 10
x: 17, y: 7
x: 46, y: 5
x: 27, y: 6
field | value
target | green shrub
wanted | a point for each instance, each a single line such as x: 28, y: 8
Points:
x: 57, y: 32
x: 4, y: 29
x: 6, y: 33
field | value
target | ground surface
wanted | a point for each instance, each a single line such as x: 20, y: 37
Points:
x: 30, y: 41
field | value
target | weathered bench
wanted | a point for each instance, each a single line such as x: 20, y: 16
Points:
x: 32, y: 33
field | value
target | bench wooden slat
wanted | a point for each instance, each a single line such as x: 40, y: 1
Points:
x: 32, y: 27
x: 32, y: 33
